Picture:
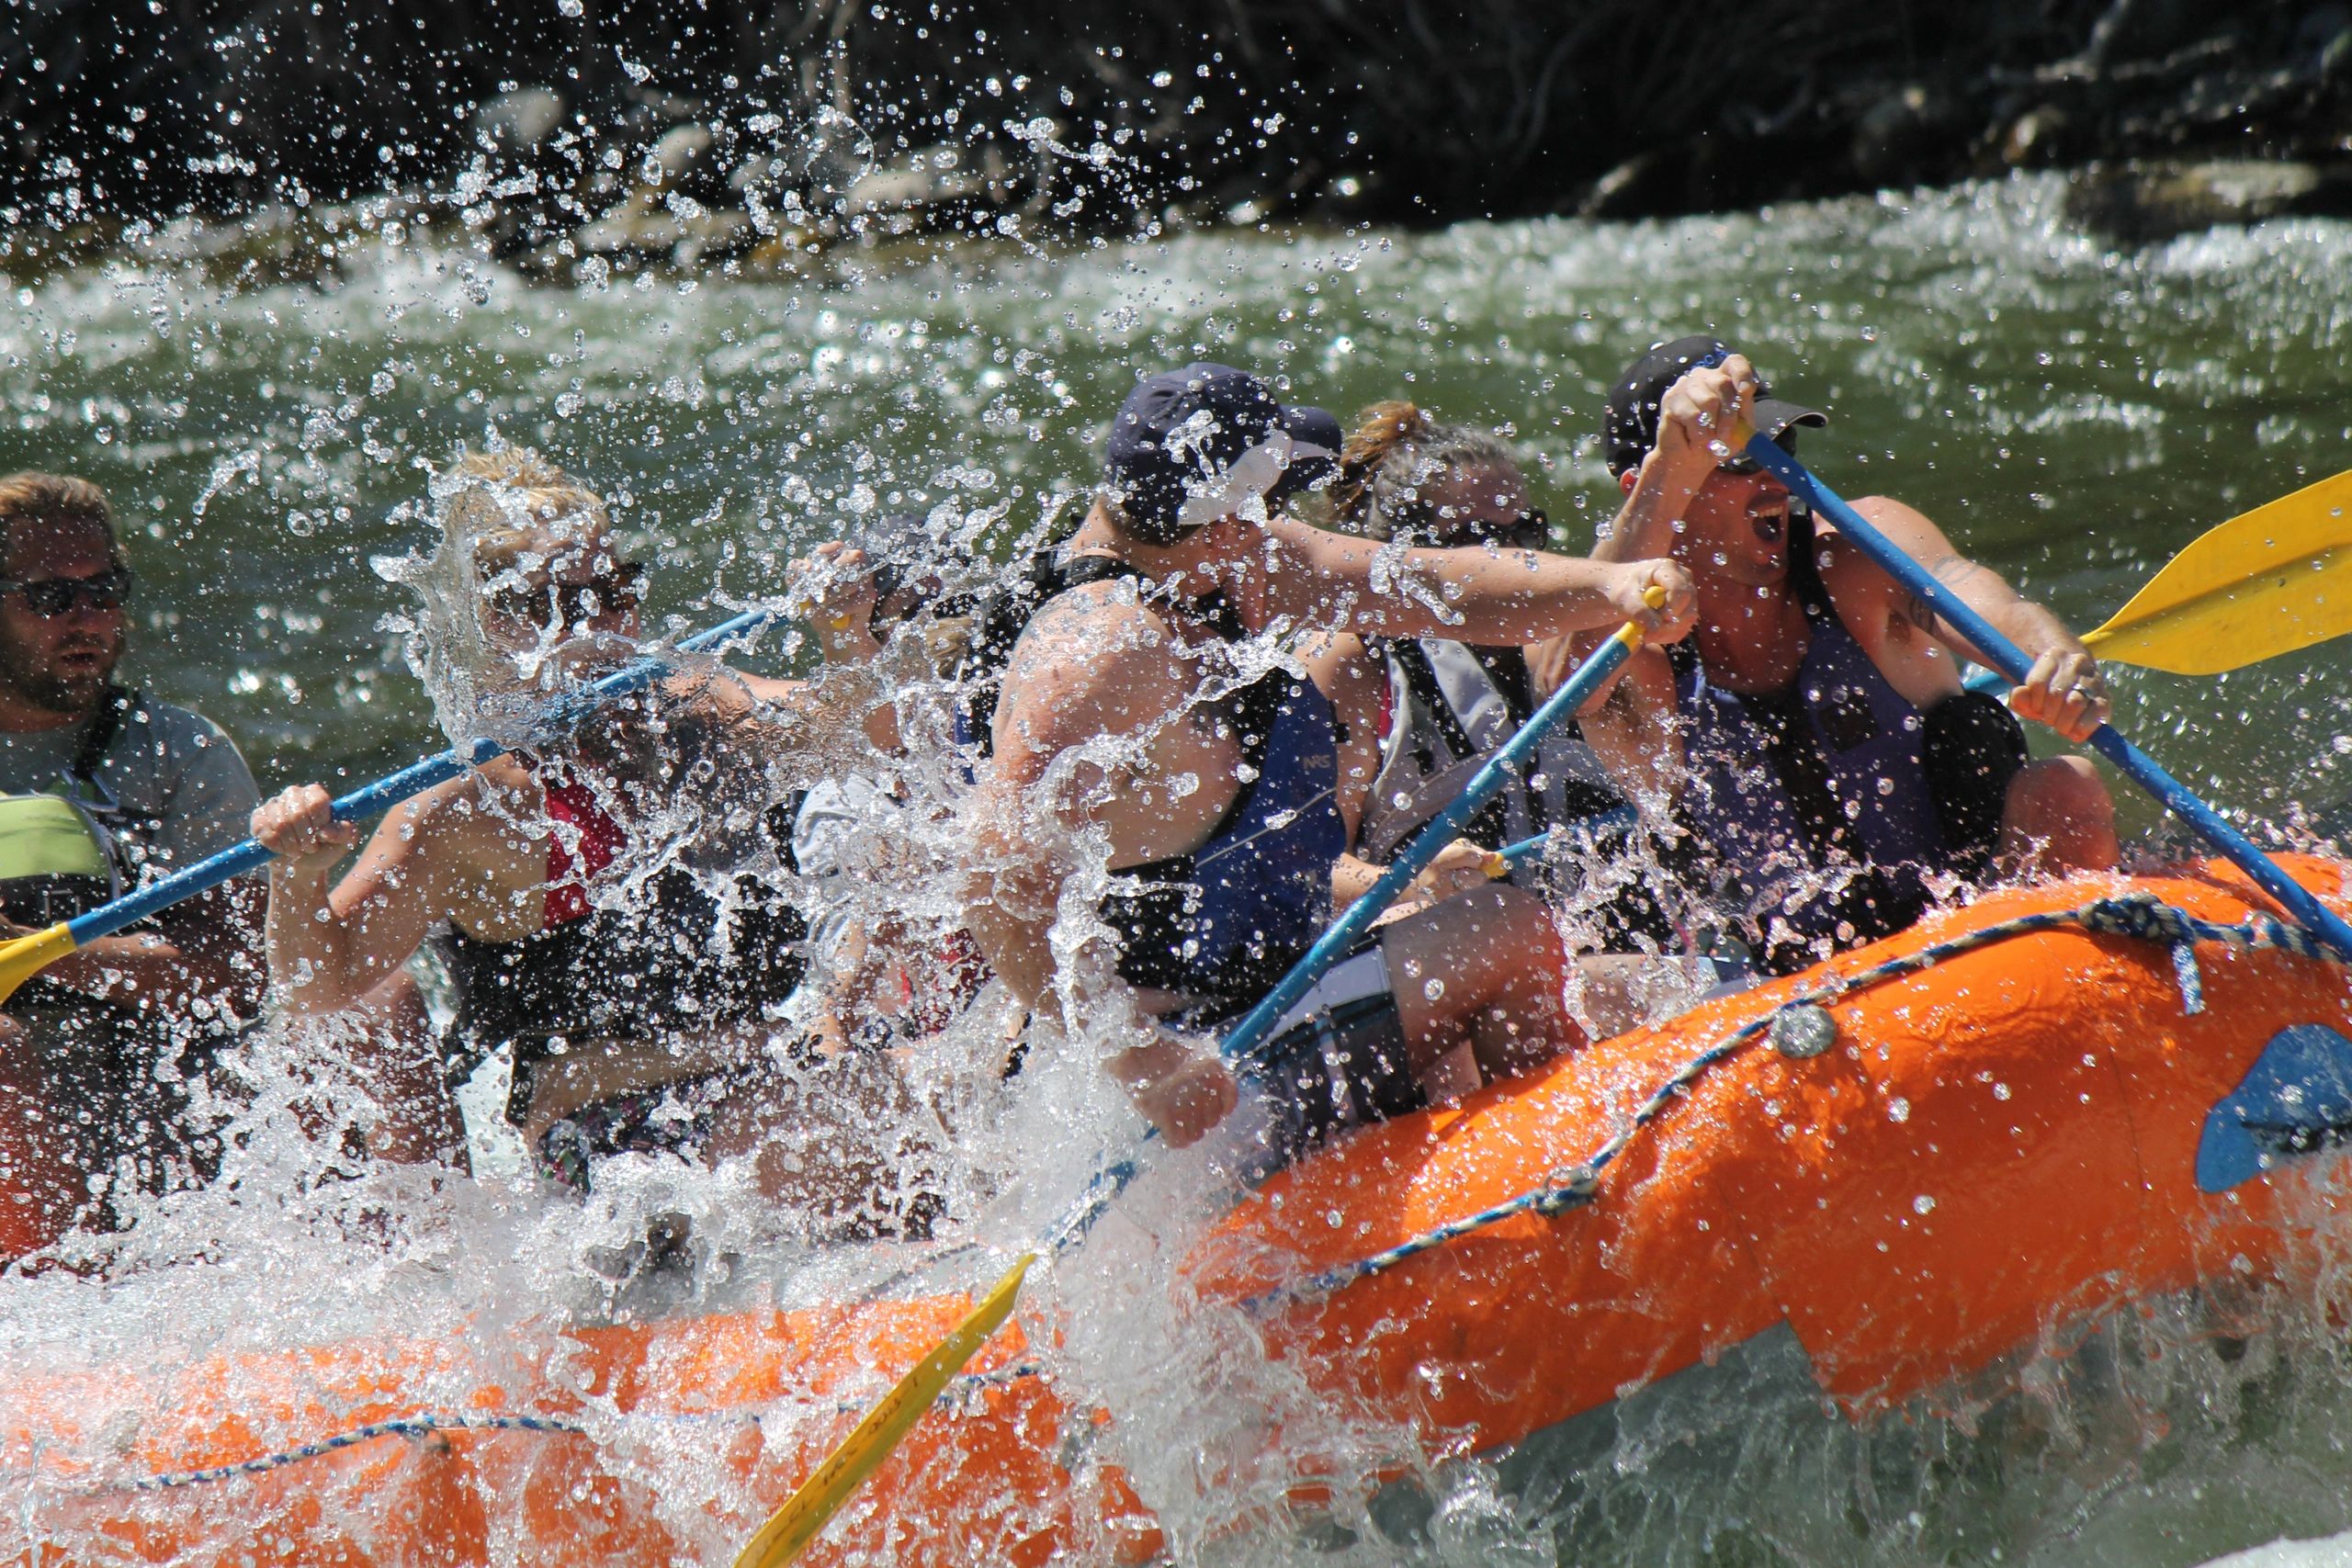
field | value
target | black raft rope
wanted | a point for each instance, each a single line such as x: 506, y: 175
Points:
x: 2139, y: 916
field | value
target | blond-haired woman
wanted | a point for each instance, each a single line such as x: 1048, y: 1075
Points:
x: 638, y: 1001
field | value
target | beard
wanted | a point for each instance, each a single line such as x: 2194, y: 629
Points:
x: 34, y: 677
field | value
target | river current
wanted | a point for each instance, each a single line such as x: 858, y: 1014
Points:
x: 2071, y: 414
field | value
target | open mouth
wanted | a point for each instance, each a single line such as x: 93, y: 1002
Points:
x: 1770, y: 526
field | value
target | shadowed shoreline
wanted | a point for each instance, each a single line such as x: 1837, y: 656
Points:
x: 569, y: 135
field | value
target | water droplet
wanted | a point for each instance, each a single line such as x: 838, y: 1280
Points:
x: 1434, y: 989
x: 1886, y: 787
x: 1898, y: 1110
x: 1923, y: 1204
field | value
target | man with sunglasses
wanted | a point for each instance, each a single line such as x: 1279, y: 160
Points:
x: 106, y: 788
x: 1446, y: 706
x: 1829, y: 766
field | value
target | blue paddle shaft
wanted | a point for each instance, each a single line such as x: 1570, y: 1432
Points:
x: 1588, y: 829
x: 1443, y: 829
x: 557, y: 718
x: 2006, y: 656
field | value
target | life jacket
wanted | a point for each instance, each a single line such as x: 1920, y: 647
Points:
x: 112, y: 1072
x: 1453, y: 707
x: 1816, y: 804
x: 68, y: 849
x: 1220, y: 925
x: 668, y: 963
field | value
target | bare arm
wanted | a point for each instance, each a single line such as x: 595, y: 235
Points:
x: 1478, y: 595
x: 439, y: 856
x: 1096, y: 727
x: 1902, y: 631
x: 1697, y: 413
x: 1087, y: 681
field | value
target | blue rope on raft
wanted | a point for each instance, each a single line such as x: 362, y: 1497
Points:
x: 2138, y: 916
x: 402, y: 1427
x: 426, y: 1425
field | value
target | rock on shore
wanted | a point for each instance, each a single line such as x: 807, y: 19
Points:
x: 761, y: 138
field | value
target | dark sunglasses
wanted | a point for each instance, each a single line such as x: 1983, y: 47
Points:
x: 1744, y: 464
x: 1528, y: 530
x: 53, y: 596
x: 570, y: 603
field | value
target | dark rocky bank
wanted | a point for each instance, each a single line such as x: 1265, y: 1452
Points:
x: 574, y: 135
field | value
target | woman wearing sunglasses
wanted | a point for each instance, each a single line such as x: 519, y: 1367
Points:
x: 639, y: 999
x: 1447, y: 707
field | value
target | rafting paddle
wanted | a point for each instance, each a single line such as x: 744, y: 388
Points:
x: 1441, y: 831
x: 2273, y: 581
x: 25, y: 956
x: 869, y: 1443
x: 2143, y: 771
x: 2269, y: 582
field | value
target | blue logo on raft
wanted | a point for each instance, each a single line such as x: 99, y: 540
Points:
x: 2295, y: 1099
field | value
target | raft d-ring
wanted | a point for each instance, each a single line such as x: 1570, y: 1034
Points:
x: 1802, y: 1029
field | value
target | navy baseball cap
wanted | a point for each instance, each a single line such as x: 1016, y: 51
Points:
x: 1192, y: 446
x: 1629, y: 425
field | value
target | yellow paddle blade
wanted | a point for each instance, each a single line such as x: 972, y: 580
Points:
x: 805, y: 1512
x: 2275, y: 580
x: 26, y: 956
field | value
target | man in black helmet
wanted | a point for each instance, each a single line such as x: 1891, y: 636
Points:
x: 1832, y: 773
x: 1173, y: 697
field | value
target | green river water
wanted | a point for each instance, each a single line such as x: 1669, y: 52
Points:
x: 2069, y: 413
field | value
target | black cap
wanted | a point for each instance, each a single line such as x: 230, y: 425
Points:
x: 1180, y: 434
x: 1629, y: 425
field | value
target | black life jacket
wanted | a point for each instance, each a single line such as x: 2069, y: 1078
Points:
x: 1218, y: 925
x: 668, y: 963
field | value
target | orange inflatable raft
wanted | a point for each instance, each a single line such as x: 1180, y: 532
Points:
x: 1932, y: 1154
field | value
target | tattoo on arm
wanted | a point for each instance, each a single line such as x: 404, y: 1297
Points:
x: 1922, y: 614
x: 1950, y: 572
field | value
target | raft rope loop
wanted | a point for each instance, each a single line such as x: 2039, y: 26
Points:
x: 402, y: 1427
x: 2140, y: 917
x: 959, y: 1394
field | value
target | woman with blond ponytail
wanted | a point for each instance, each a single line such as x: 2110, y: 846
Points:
x: 1407, y: 478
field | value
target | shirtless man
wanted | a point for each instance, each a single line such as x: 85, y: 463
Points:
x: 1144, y: 704
x: 1823, y: 754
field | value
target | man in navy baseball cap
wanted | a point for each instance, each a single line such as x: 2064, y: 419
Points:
x: 1192, y: 446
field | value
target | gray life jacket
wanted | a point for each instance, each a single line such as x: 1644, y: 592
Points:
x: 1451, y: 707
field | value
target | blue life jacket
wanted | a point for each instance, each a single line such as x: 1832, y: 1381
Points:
x: 1818, y: 803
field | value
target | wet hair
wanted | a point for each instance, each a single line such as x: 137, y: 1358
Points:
x: 56, y: 503
x: 495, y: 490
x: 1127, y: 525
x: 1396, y: 448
